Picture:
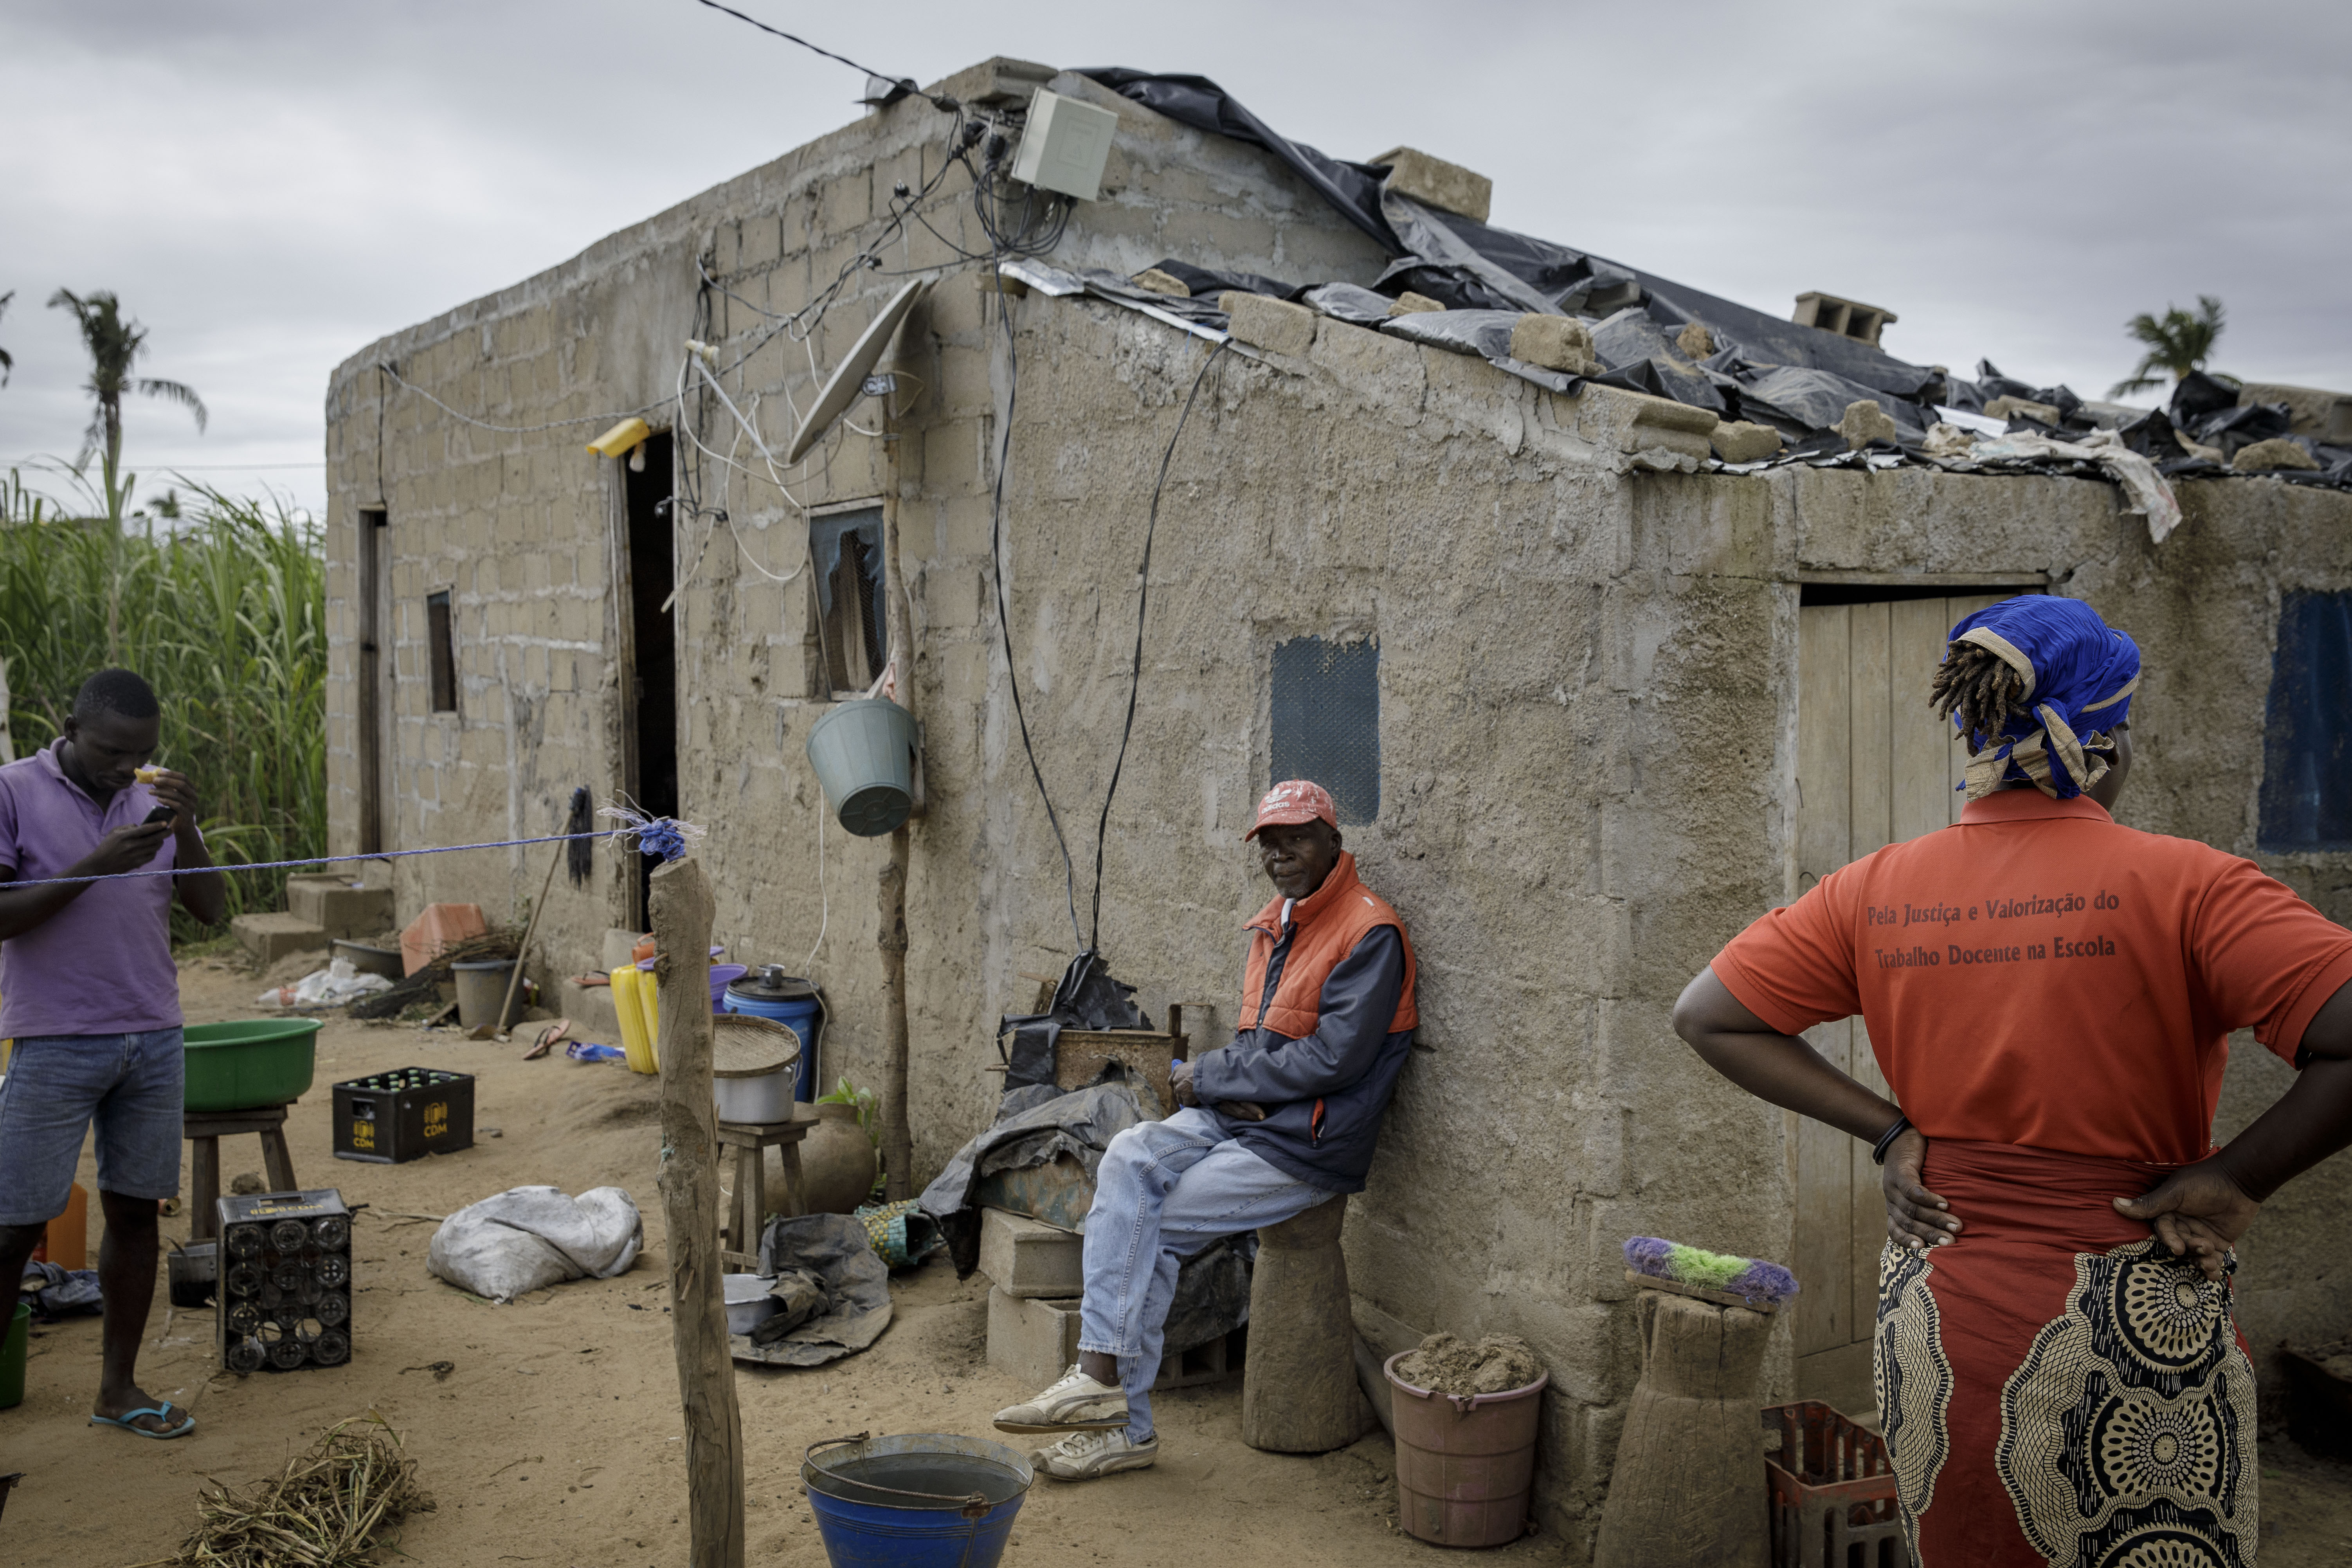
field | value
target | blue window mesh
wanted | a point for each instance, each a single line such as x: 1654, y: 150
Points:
x: 1326, y: 722
x: 2306, y: 761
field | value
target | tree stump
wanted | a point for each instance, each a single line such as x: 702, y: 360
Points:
x: 1298, y: 1386
x: 682, y: 908
x: 1688, y: 1489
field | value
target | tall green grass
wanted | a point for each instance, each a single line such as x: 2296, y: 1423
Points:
x: 224, y: 611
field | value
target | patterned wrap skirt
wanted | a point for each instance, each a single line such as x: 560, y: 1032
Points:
x: 2056, y: 1387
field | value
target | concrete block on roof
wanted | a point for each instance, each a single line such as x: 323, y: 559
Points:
x: 1555, y: 342
x: 1159, y: 282
x: 270, y: 937
x: 2278, y: 452
x: 1738, y: 441
x: 2310, y: 410
x: 1263, y: 321
x: 1642, y: 426
x: 1434, y: 182
x: 1024, y: 1257
x: 1865, y: 422
x: 1695, y: 341
x: 1412, y: 304
x: 2013, y: 407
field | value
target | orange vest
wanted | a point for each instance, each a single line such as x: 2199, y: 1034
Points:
x: 1327, y: 926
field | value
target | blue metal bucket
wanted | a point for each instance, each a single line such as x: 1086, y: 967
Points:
x: 920, y: 1499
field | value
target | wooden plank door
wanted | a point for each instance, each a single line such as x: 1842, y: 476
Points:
x: 1875, y: 766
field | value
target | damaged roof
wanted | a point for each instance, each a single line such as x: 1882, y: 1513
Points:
x: 1796, y: 380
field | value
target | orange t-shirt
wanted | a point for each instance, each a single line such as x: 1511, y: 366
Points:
x: 2037, y: 975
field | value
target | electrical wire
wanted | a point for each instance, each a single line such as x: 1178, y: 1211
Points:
x: 1143, y: 604
x: 385, y: 366
x: 1004, y: 618
x: 907, y: 82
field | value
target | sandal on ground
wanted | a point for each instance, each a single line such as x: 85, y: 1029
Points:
x: 162, y: 1412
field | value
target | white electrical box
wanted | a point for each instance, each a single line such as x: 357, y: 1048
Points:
x: 1065, y: 145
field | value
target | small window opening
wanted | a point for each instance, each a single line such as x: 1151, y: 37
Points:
x: 1326, y: 722
x: 2306, y: 802
x: 853, y: 615
x: 441, y: 651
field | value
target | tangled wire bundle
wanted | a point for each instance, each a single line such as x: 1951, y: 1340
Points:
x: 325, y: 1509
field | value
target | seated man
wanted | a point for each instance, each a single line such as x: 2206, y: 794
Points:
x: 1281, y: 1120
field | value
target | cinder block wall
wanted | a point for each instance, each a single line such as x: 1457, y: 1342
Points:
x: 518, y: 526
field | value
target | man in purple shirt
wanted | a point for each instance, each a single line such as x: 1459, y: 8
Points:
x: 90, y: 993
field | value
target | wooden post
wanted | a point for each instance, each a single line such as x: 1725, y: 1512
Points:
x: 897, y: 1142
x: 682, y: 911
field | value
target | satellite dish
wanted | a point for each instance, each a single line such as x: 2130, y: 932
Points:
x: 847, y: 382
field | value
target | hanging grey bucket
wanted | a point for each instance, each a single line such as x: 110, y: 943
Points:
x: 863, y: 754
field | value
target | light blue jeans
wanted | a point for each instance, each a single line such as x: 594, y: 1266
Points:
x: 1164, y: 1191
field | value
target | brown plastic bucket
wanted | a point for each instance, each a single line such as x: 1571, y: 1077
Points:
x: 1466, y: 1462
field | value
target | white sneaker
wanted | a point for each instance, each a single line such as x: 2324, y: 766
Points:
x: 1076, y: 1404
x: 1083, y: 1456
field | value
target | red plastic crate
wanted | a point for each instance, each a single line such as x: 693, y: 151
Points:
x: 1833, y: 1493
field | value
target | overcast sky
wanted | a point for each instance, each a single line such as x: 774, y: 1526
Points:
x: 270, y: 185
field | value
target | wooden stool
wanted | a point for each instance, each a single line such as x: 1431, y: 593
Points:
x: 748, y: 1215
x: 205, y: 1129
x: 1298, y: 1386
x: 1683, y: 1493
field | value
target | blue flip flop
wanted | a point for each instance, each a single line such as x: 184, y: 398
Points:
x: 160, y: 1412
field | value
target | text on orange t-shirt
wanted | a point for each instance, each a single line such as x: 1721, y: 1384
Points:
x: 2038, y: 974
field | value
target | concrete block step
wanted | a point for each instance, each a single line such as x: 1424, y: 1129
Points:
x: 270, y: 937
x: 1024, y: 1257
x: 589, y: 1009
x: 339, y: 907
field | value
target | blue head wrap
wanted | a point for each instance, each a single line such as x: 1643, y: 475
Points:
x: 2079, y: 675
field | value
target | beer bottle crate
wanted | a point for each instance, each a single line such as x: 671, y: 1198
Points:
x: 387, y: 1117
x: 285, y: 1288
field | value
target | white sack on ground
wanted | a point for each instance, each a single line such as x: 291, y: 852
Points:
x: 526, y: 1238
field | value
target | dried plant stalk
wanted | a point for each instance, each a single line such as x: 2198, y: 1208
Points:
x: 325, y: 1509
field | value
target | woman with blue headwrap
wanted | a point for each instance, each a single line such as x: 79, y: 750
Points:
x: 2049, y: 995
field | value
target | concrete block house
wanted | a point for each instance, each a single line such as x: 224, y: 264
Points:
x: 1590, y: 699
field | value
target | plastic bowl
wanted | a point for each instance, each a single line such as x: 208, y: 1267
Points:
x: 249, y: 1062
x: 748, y: 1302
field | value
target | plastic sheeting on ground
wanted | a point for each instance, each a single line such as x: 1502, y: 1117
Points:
x: 526, y: 1238
x: 834, y: 1250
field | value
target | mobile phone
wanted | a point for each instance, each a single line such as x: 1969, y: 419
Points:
x: 160, y: 814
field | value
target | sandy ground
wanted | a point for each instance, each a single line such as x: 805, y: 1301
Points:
x: 554, y: 1440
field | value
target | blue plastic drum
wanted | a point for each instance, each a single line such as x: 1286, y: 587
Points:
x: 767, y: 992
x: 923, y: 1499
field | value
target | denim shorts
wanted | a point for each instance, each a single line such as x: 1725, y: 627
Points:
x: 130, y: 1085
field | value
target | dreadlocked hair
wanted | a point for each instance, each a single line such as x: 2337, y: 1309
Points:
x: 1983, y: 691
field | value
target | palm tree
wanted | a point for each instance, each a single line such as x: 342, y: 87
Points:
x: 114, y: 346
x: 2176, y: 342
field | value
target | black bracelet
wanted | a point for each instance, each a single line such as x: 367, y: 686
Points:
x: 1886, y: 1139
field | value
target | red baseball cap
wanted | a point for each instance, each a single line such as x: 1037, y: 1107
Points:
x: 1294, y: 801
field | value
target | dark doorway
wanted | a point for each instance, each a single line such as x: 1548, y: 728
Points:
x: 653, y: 647
x: 367, y: 704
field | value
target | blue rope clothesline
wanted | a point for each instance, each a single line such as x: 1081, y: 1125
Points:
x: 661, y: 836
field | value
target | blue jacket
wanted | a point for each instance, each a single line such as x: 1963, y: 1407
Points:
x: 1350, y: 1064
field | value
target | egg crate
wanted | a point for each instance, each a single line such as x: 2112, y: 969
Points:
x: 285, y: 1289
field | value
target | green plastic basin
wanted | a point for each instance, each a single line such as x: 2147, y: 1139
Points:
x: 249, y: 1062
